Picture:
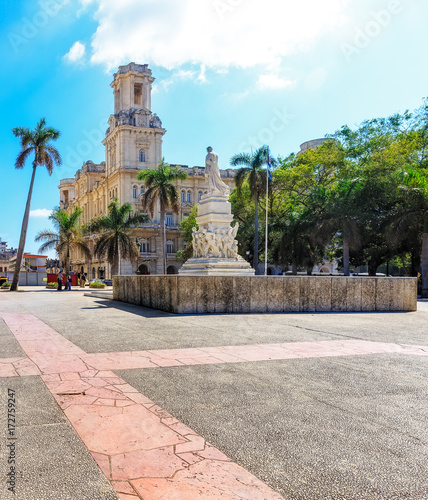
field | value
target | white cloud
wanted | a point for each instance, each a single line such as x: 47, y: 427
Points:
x: 76, y: 53
x: 40, y: 213
x: 274, y: 82
x: 208, y: 33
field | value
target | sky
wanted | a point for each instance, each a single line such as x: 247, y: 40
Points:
x: 233, y: 74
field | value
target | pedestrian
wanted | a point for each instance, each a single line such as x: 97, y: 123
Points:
x: 69, y: 282
x: 59, y: 281
x: 82, y: 280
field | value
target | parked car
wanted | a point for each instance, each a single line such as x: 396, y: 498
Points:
x: 108, y: 282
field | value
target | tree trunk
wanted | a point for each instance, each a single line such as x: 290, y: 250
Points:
x: 294, y: 267
x: 163, y: 240
x: 346, y: 256
x: 372, y: 267
x: 23, y: 237
x: 424, y: 263
x: 256, y: 234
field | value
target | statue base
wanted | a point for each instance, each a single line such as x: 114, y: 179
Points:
x: 213, y: 266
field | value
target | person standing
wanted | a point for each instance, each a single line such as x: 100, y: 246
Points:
x: 59, y: 281
x: 69, y: 283
x: 82, y: 280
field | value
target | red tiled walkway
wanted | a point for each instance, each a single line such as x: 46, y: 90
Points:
x: 143, y: 450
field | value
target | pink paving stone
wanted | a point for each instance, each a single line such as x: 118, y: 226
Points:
x: 105, y: 402
x: 139, y: 398
x: 103, y: 463
x: 182, y: 429
x: 166, y: 362
x: 68, y: 386
x: 58, y: 364
x: 190, y: 458
x: 195, y: 443
x: 125, y: 388
x: 226, y: 358
x: 70, y: 376
x: 7, y: 370
x: 161, y: 462
x: 88, y: 373
x: 116, y: 361
x: 66, y: 401
x: 111, y: 430
x: 213, y: 454
x: 51, y: 378
x: 176, y: 353
x: 169, y: 421
x: 123, y: 487
x: 104, y: 374
x: 125, y: 496
x: 29, y: 370
x: 101, y: 392
x: 113, y: 380
x: 122, y: 404
x: 190, y: 361
x: 96, y: 382
x: 207, y: 480
x: 11, y: 360
x: 160, y: 412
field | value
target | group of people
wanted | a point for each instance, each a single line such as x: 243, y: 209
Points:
x: 81, y: 278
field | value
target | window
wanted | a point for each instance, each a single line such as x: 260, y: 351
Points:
x: 134, y: 192
x: 186, y: 215
x: 138, y: 94
x: 199, y: 195
x: 144, y: 246
x: 142, y: 190
x: 183, y: 196
x: 142, y: 155
x: 169, y: 246
x: 189, y: 197
x: 169, y: 220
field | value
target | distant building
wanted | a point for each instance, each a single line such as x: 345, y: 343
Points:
x: 133, y: 142
x: 33, y: 269
x: 5, y: 254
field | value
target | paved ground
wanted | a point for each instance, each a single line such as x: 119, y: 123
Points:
x: 299, y: 406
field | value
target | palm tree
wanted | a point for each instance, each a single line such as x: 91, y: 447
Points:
x: 160, y: 187
x: 35, y: 141
x: 67, y: 237
x: 114, y: 239
x: 253, y: 172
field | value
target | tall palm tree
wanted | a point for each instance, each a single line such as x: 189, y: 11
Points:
x: 252, y: 171
x: 67, y: 237
x: 160, y: 188
x: 35, y: 141
x: 113, y: 233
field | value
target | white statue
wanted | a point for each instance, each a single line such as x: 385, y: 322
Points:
x: 216, y: 185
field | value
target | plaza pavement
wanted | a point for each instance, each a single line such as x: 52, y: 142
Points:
x: 116, y: 401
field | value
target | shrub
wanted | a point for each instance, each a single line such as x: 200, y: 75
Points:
x: 97, y: 284
x: 6, y: 284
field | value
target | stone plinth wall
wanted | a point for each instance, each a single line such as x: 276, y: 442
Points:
x: 264, y: 294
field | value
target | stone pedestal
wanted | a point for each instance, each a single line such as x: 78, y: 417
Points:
x: 215, y: 249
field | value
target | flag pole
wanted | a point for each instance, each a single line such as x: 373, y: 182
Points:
x: 267, y: 205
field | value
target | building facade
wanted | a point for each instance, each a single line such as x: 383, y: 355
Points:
x: 133, y: 142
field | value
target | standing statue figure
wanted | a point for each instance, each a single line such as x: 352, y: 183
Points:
x: 216, y: 185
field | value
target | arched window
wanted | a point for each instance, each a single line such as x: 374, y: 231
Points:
x: 183, y: 196
x: 142, y: 190
x: 142, y: 155
x: 189, y: 197
x: 199, y: 195
x: 134, y: 192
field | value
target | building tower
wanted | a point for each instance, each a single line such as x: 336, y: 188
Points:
x: 134, y: 137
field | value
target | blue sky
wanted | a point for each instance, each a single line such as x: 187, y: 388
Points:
x: 229, y: 73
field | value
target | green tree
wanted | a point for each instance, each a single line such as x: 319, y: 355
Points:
x: 37, y: 142
x: 186, y: 226
x: 113, y: 231
x: 253, y: 173
x: 67, y: 236
x: 160, y: 188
